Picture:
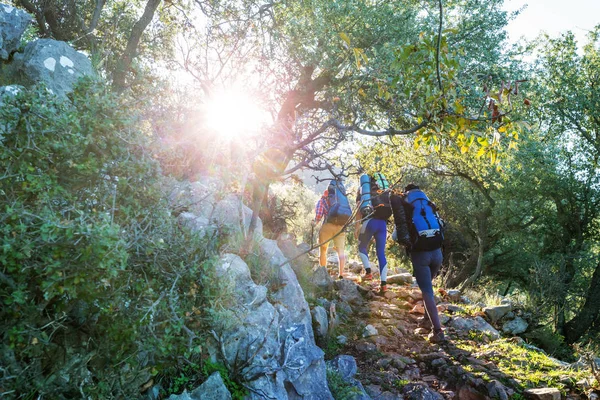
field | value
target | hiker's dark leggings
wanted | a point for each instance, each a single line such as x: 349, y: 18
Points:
x: 426, y: 265
x: 374, y: 228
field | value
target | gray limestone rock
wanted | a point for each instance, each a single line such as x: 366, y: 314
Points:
x: 516, y: 326
x: 400, y: 279
x: 420, y: 391
x: 496, y: 312
x: 474, y: 324
x: 212, y: 389
x: 54, y: 63
x: 320, y: 323
x: 13, y: 23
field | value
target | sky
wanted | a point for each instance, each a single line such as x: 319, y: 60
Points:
x: 553, y: 17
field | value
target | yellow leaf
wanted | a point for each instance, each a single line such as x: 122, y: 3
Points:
x: 357, y: 57
x: 362, y: 92
x: 345, y: 38
x: 34, y: 341
x: 502, y: 129
x: 464, y: 149
x: 481, y: 152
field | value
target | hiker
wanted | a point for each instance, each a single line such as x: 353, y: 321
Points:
x: 374, y: 210
x: 333, y: 208
x: 420, y: 230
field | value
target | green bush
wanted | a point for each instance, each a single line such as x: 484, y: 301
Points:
x: 99, y: 285
x: 340, y: 389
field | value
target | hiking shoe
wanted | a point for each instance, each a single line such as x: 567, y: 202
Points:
x: 383, y: 289
x: 436, y: 337
x: 340, y: 277
x: 367, y: 276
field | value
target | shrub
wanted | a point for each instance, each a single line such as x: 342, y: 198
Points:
x: 100, y: 287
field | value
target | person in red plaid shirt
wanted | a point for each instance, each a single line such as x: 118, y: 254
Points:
x: 328, y: 231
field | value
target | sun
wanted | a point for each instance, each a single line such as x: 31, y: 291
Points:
x: 234, y: 113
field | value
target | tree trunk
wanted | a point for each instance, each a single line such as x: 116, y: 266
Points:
x: 132, y: 44
x: 589, y: 313
x: 482, y: 233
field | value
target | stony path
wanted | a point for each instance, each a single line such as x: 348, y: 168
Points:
x: 396, y: 361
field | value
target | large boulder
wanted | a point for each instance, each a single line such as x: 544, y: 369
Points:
x: 400, y: 279
x: 54, y: 63
x: 13, y: 23
x: 234, y: 215
x: 320, y: 322
x: 305, y: 374
x: 515, y: 326
x: 474, y: 324
x: 346, y: 367
x: 496, y: 312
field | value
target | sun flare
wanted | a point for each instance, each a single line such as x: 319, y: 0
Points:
x: 234, y: 113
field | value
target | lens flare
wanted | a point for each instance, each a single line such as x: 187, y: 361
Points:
x: 233, y: 113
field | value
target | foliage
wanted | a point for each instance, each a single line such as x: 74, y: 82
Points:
x: 237, y: 390
x: 95, y: 270
x: 340, y: 389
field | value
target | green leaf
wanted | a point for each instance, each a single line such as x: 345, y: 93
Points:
x: 345, y: 38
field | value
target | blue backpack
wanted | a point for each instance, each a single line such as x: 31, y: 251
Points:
x: 339, y: 206
x: 424, y: 223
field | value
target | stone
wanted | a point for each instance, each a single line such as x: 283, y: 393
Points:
x: 321, y: 278
x: 342, y: 339
x: 232, y: 213
x: 197, y: 224
x: 320, y: 323
x: 348, y: 291
x: 496, y: 312
x: 400, y: 279
x: 370, y: 330
x: 13, y: 23
x: 476, y: 324
x: 466, y: 392
x: 516, y: 326
x: 454, y: 295
x: 54, y: 63
x: 345, y: 365
x: 496, y: 390
x: 420, y: 391
x: 542, y: 394
x: 212, y: 389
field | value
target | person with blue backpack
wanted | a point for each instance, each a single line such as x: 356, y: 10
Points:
x: 374, y: 210
x: 334, y: 209
x: 419, y: 229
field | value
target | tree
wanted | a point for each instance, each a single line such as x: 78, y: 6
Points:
x: 569, y: 87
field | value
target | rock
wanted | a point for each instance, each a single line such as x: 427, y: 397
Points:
x: 321, y: 278
x: 400, y: 279
x: 420, y: 391
x: 497, y: 312
x: 212, y: 389
x: 354, y: 266
x: 455, y: 309
x: 278, y: 338
x: 13, y: 23
x: 54, y: 63
x: 496, y: 390
x: 292, y: 252
x: 477, y: 324
x: 516, y: 326
x: 418, y: 308
x: 370, y: 331
x: 454, y: 295
x: 197, y: 224
x: 542, y: 394
x: 344, y: 365
x: 348, y: 291
x: 466, y: 392
x: 228, y: 213
x: 320, y: 324
x: 342, y: 339
x: 366, y: 347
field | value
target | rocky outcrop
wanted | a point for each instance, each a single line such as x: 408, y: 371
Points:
x: 55, y: 64
x: 271, y: 346
x: 13, y: 23
x: 212, y: 389
x: 52, y: 63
